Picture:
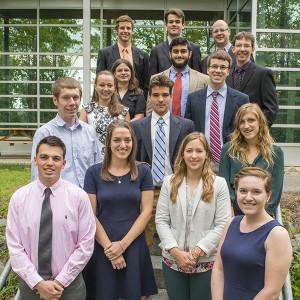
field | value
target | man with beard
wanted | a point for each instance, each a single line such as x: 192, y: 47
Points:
x: 186, y: 80
x: 79, y: 137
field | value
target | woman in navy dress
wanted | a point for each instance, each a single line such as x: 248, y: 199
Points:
x: 255, y: 251
x: 121, y: 194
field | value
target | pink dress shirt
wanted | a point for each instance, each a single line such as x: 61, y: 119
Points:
x: 72, y: 233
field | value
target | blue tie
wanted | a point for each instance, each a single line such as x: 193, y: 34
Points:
x: 158, y: 168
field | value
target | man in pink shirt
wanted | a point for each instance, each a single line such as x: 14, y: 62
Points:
x: 71, y: 242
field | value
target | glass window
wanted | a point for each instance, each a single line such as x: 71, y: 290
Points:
x: 287, y: 78
x: 18, y: 16
x: 18, y: 102
x: 289, y: 97
x: 18, y: 116
x: 278, y: 59
x: 278, y: 40
x: 18, y: 88
x: 19, y: 74
x: 288, y: 116
x: 56, y: 60
x: 47, y: 102
x: 285, y: 135
x: 46, y: 116
x: 61, y: 16
x: 26, y: 60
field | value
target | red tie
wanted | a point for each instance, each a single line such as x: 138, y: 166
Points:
x: 215, y: 141
x: 177, y: 95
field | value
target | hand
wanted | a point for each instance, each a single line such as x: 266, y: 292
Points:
x: 48, y: 289
x: 197, y: 252
x: 184, y: 259
x: 114, y: 250
x: 118, y: 263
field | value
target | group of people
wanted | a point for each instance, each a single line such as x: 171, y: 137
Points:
x: 104, y: 183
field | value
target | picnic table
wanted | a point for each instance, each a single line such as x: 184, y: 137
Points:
x: 15, y: 133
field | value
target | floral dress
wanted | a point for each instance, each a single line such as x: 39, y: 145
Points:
x: 99, y: 117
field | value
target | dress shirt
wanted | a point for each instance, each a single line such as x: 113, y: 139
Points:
x: 129, y: 51
x: 185, y: 87
x: 81, y: 143
x: 154, y: 126
x: 72, y: 235
x: 221, y: 99
x: 226, y: 48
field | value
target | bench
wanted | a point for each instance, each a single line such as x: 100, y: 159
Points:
x: 15, y: 133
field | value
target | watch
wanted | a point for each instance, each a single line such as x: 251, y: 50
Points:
x: 199, y: 252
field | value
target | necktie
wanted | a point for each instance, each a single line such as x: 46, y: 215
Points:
x: 238, y: 79
x: 126, y: 55
x: 158, y: 169
x: 177, y: 95
x: 45, y: 238
x: 215, y: 140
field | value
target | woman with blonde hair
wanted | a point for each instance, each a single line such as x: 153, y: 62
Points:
x: 255, y: 251
x: 104, y: 107
x: 192, y: 210
x: 252, y: 145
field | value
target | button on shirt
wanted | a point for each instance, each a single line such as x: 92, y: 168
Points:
x: 185, y: 88
x: 72, y: 235
x: 221, y: 99
x: 81, y: 143
x: 154, y: 127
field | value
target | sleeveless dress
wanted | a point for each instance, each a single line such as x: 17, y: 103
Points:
x: 99, y: 117
x: 243, y: 257
x: 118, y: 206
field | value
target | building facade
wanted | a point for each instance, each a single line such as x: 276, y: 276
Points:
x: 41, y: 40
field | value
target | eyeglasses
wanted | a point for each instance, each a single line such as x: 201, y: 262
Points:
x: 157, y: 95
x: 239, y: 46
x: 220, y: 30
x: 216, y: 67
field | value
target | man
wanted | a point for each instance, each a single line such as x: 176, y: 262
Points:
x: 159, y: 137
x: 221, y: 35
x: 50, y: 230
x: 213, y: 108
x: 124, y: 49
x: 79, y: 137
x: 189, y: 80
x: 159, y: 57
x: 254, y: 80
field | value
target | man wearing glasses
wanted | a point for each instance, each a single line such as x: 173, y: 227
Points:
x: 213, y: 108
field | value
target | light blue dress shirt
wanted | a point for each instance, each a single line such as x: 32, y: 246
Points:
x: 221, y: 99
x: 81, y: 144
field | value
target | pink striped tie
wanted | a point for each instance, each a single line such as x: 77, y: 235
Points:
x: 215, y: 140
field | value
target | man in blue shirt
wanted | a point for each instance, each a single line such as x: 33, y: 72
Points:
x: 79, y: 137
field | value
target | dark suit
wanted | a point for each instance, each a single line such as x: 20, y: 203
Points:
x: 179, y: 129
x: 107, y: 57
x: 196, y: 107
x: 160, y: 58
x: 259, y: 84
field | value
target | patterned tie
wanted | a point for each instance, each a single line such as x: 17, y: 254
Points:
x: 158, y: 168
x: 177, y: 95
x: 238, y: 79
x: 215, y: 140
x: 45, y: 238
x: 126, y: 55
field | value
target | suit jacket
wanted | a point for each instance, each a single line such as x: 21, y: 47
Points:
x: 197, y: 81
x: 196, y: 107
x: 179, y: 129
x: 160, y: 58
x: 107, y: 57
x: 232, y: 55
x: 259, y: 84
x: 207, y: 221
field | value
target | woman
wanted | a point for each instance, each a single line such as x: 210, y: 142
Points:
x: 252, y: 145
x: 121, y: 194
x: 127, y: 87
x: 193, y: 208
x: 104, y: 107
x: 255, y: 251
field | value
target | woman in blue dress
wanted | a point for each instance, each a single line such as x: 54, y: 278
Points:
x: 255, y: 251
x: 121, y: 194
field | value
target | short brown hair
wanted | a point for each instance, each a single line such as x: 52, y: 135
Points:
x: 65, y: 82
x: 52, y: 141
x: 175, y: 11
x: 244, y: 35
x: 220, y: 54
x: 124, y: 18
x: 161, y: 80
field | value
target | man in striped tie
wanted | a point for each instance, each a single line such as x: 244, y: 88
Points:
x: 158, y: 137
x: 213, y: 108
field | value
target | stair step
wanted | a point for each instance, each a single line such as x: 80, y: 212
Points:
x: 162, y: 295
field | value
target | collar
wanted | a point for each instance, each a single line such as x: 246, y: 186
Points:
x: 184, y: 72
x: 226, y: 48
x: 60, y: 122
x: 121, y: 47
x: 222, y: 91
x: 169, y: 40
x: 244, y: 67
x: 54, y: 187
x: 166, y: 117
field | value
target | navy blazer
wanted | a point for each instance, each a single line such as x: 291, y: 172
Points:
x: 108, y: 56
x: 259, y: 84
x: 196, y: 106
x: 160, y: 58
x: 179, y: 129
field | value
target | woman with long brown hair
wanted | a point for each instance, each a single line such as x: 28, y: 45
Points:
x: 104, y: 107
x: 192, y: 210
x: 252, y: 145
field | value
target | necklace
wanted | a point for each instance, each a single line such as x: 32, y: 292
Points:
x: 119, y: 179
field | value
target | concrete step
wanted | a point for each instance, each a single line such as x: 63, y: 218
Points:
x: 162, y: 295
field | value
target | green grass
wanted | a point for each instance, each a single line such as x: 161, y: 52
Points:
x: 11, y: 178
